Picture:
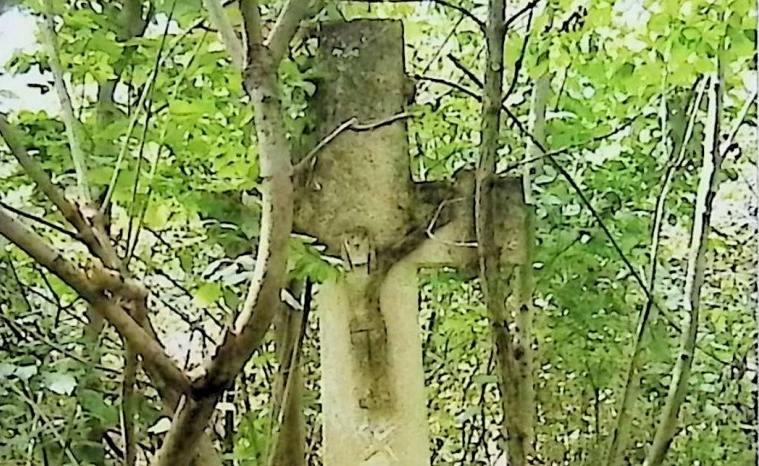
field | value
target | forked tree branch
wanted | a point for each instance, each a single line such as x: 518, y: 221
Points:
x: 51, y: 259
x: 695, y: 271
x: 96, y: 241
x: 240, y: 342
x: 275, y: 159
x: 229, y: 38
x: 251, y: 18
x: 620, y: 434
x: 527, y: 8
x: 276, y: 43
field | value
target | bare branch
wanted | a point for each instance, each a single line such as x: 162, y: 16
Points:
x: 351, y: 124
x: 284, y: 30
x: 36, y: 337
x: 464, y: 11
x: 457, y: 86
x: 467, y: 72
x: 620, y: 434
x: 305, y: 161
x: 111, y: 280
x: 39, y: 411
x: 270, y: 270
x: 96, y: 241
x: 527, y: 8
x: 48, y: 257
x: 540, y: 90
x: 251, y: 18
x: 147, y: 90
x: 199, y: 24
x: 520, y: 58
x: 132, y: 246
x: 129, y: 406
x: 229, y: 38
x: 695, y: 270
x: 286, y: 431
x: 738, y: 123
x: 543, y: 155
x: 276, y: 169
x: 72, y: 124
x: 39, y: 220
x: 524, y: 281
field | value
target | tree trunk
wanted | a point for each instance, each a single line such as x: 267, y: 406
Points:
x: 524, y: 279
x: 694, y: 278
x: 620, y: 437
x: 497, y: 279
x: 290, y: 434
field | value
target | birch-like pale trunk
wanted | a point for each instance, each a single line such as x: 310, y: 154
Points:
x: 620, y: 437
x: 226, y: 32
x: 524, y: 281
x: 694, y: 278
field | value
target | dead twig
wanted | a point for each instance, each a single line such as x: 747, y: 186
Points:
x: 351, y: 124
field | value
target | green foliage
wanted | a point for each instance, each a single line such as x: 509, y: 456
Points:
x: 186, y: 209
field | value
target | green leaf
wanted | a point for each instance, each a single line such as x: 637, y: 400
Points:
x: 208, y: 293
x: 60, y: 383
x: 157, y: 215
x: 94, y: 404
x: 6, y: 370
x: 26, y: 372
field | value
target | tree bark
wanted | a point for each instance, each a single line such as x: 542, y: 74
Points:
x: 73, y: 126
x: 495, y: 279
x: 524, y: 271
x: 620, y: 437
x: 289, y: 439
x: 251, y: 325
x: 694, y: 278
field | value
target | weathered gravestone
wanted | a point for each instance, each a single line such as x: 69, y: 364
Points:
x: 359, y: 200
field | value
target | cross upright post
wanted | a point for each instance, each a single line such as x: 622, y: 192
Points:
x: 358, y: 199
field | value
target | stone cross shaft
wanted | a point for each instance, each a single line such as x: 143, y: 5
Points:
x: 358, y: 199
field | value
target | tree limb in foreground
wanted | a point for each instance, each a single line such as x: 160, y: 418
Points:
x: 87, y: 287
x: 96, y: 241
x: 252, y: 323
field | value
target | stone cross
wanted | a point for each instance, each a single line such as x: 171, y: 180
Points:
x: 358, y: 199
